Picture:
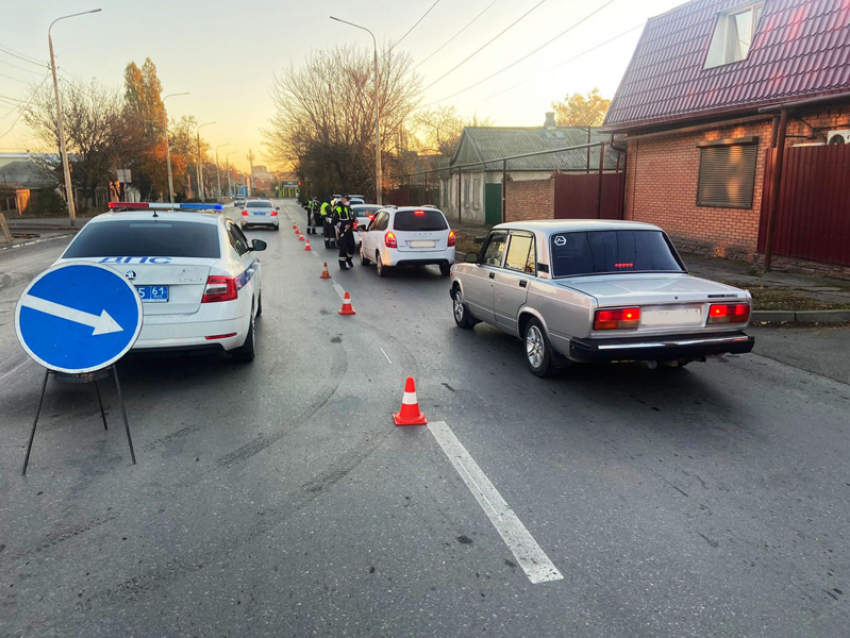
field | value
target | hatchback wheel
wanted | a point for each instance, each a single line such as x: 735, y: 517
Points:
x: 383, y: 271
x: 445, y: 269
x: 538, y: 350
x: 364, y: 261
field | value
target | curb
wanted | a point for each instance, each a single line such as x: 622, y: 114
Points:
x: 802, y: 316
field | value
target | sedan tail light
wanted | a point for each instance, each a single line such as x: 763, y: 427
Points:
x: 274, y: 213
x: 244, y: 213
x: 451, y: 238
x: 729, y: 313
x: 618, y: 319
x: 355, y: 225
x: 390, y: 241
x: 219, y: 288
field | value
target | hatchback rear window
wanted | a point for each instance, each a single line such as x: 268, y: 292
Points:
x: 611, y: 252
x: 420, y: 220
x: 143, y: 238
x: 259, y: 204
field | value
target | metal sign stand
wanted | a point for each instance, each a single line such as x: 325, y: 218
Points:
x: 89, y: 377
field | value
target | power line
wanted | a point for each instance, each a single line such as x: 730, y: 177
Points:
x: 415, y: 25
x: 560, y: 64
x: 9, y: 77
x: 447, y: 42
x: 488, y: 43
x: 528, y: 55
x: 15, y: 66
x: 13, y: 99
x: 23, y: 57
x: 23, y: 108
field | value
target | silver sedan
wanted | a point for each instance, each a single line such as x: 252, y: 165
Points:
x: 595, y: 291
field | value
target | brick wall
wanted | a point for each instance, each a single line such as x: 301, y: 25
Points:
x: 661, y: 184
x: 532, y: 199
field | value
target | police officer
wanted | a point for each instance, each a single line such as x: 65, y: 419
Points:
x: 343, y: 221
x: 312, y: 209
x: 327, y: 228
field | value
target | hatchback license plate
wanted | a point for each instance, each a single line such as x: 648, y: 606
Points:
x: 153, y: 294
x: 422, y: 243
x: 671, y: 316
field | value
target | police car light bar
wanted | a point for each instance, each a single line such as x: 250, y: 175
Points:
x: 160, y: 206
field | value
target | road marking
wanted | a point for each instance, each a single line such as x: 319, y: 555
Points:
x: 519, y: 540
x: 18, y: 367
x: 339, y: 290
x: 385, y: 354
x: 315, y: 254
x: 103, y: 323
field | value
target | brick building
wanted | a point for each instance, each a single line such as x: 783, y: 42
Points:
x: 714, y: 86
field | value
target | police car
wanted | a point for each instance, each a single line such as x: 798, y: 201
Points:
x: 197, y: 274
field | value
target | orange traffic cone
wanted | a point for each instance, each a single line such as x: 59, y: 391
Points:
x: 300, y: 237
x: 346, y: 306
x: 297, y: 232
x: 409, y: 414
x: 307, y: 246
x: 294, y: 225
x: 325, y: 273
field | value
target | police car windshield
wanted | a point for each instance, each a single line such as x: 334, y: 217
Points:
x: 614, y: 251
x: 259, y: 204
x: 143, y: 238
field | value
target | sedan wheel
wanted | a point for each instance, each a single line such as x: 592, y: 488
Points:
x: 460, y: 312
x: 538, y: 350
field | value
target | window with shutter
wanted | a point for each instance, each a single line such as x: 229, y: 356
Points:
x: 727, y: 171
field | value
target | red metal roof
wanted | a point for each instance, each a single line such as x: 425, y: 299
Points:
x: 801, y: 48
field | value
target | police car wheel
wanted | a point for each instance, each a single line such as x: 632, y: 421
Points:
x: 245, y: 353
x: 260, y: 305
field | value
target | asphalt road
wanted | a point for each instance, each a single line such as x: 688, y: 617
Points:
x: 278, y: 499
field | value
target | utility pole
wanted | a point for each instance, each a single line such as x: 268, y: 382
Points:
x: 250, y: 158
x: 217, y: 171
x: 167, y: 146
x: 60, y: 120
x: 200, y: 161
x: 378, y: 185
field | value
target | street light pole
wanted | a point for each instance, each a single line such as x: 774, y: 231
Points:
x: 167, y: 147
x: 60, y: 120
x: 378, y: 186
x: 200, y: 167
x: 217, y: 171
x: 227, y: 165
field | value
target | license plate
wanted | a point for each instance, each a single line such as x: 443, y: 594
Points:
x: 422, y: 243
x: 153, y: 294
x: 671, y: 316
x: 259, y: 214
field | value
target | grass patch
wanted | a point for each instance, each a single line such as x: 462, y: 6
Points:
x: 765, y: 298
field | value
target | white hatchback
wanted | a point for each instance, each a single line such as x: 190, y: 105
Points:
x: 197, y: 274
x: 408, y: 236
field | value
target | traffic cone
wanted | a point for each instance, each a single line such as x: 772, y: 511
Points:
x: 307, y: 246
x: 409, y: 414
x: 325, y: 273
x: 346, y: 306
x: 294, y: 225
x: 297, y: 232
x: 300, y: 237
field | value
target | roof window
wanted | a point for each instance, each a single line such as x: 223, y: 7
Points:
x: 733, y: 34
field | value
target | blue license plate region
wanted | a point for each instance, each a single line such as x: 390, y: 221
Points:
x: 153, y: 294
x: 259, y: 214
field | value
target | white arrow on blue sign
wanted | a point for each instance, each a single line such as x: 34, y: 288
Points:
x: 78, y: 318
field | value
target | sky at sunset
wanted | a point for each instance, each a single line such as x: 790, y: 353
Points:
x: 226, y: 53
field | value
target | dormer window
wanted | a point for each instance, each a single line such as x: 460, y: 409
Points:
x: 733, y: 34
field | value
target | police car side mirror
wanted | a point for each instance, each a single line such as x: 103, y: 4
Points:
x: 277, y: 207
x: 258, y: 245
x: 471, y: 258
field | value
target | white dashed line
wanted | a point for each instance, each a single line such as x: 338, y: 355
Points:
x: 519, y: 540
x: 17, y: 368
x: 339, y: 290
x: 385, y: 354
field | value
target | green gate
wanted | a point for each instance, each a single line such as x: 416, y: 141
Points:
x: 492, y: 204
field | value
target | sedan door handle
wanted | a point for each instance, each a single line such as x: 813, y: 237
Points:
x: 492, y: 275
x: 523, y: 283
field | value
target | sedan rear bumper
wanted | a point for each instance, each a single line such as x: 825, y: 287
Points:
x: 668, y: 348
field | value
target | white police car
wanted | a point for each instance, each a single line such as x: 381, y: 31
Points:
x: 197, y: 274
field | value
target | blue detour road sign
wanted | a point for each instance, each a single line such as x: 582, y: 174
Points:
x: 78, y: 318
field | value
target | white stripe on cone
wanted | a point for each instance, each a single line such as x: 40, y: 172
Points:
x: 409, y: 398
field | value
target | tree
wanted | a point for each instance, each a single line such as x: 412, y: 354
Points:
x: 580, y: 110
x: 438, y: 130
x: 93, y: 132
x: 324, y: 121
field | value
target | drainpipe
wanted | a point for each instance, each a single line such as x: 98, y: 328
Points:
x: 504, y: 191
x: 775, y: 183
x: 459, y: 188
x: 599, y: 181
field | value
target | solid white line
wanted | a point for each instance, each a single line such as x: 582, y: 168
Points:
x: 385, y: 354
x: 18, y: 367
x: 339, y: 290
x: 519, y: 540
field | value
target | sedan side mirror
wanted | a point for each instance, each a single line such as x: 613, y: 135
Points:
x: 471, y: 258
x: 258, y: 245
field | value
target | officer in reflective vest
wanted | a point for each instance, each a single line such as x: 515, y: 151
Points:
x: 327, y: 227
x: 312, y: 209
x: 343, y: 221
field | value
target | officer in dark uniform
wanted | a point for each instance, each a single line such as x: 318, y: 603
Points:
x: 312, y: 213
x: 343, y: 221
x: 325, y: 214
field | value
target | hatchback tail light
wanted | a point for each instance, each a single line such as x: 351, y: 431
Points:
x: 244, y: 213
x: 390, y: 241
x: 617, y: 319
x: 219, y: 288
x: 451, y: 238
x: 729, y: 313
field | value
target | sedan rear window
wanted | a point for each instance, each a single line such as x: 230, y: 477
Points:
x: 611, y: 251
x: 420, y: 220
x: 143, y: 238
x: 259, y: 204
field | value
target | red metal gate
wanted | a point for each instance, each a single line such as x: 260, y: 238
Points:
x: 576, y: 196
x: 813, y: 216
